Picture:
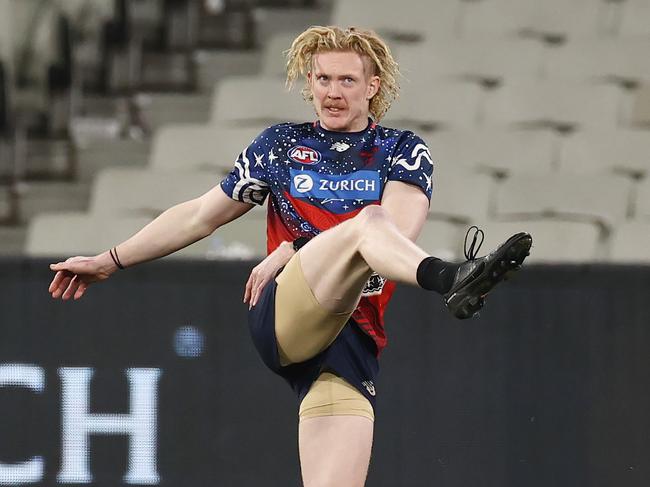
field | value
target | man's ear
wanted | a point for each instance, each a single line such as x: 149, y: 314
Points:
x: 373, y: 87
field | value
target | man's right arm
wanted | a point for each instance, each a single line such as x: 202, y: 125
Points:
x: 180, y: 226
x: 176, y: 228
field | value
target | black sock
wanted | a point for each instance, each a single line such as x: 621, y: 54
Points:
x: 436, y: 275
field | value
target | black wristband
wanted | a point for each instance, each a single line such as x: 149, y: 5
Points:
x: 115, y: 258
x: 299, y: 243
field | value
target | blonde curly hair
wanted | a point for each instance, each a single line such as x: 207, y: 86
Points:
x: 366, y: 43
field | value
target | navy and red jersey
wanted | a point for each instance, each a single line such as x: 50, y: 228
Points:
x: 317, y: 178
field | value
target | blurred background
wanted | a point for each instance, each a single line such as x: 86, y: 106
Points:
x: 537, y: 114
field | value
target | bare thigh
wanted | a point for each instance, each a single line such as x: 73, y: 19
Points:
x: 317, y: 292
x: 335, y: 450
x: 333, y: 267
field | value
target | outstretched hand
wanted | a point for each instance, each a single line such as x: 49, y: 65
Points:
x: 263, y: 272
x: 73, y: 276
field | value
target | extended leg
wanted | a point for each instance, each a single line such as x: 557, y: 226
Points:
x: 335, y: 450
x: 335, y: 434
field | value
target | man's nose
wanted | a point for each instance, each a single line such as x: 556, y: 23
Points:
x: 333, y: 91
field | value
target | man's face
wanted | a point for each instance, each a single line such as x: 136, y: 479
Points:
x: 342, y: 90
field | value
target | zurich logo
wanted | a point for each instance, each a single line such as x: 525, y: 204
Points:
x: 303, y: 183
x: 304, y: 155
x: 359, y: 185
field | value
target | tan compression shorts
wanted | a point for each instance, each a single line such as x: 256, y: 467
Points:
x: 331, y: 395
x: 303, y: 328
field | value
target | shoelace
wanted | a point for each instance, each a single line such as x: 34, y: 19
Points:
x: 470, y: 254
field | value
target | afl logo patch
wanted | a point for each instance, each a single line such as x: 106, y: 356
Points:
x: 304, y: 155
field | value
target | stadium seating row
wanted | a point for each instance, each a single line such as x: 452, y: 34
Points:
x: 559, y: 104
x: 500, y: 152
x: 506, y: 152
x: 554, y: 241
x: 493, y: 60
x: 606, y: 199
x: 551, y: 19
x: 88, y: 234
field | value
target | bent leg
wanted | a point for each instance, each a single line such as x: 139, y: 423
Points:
x: 321, y: 285
x: 335, y: 434
x: 338, y: 262
x: 303, y: 328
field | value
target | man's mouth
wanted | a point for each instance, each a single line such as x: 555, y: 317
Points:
x: 334, y: 109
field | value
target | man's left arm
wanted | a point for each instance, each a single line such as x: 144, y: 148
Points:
x: 408, y: 207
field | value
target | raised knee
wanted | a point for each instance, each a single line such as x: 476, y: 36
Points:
x: 370, y: 213
x: 369, y: 216
x: 356, y: 229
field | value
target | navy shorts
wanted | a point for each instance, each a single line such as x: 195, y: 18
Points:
x: 352, y: 355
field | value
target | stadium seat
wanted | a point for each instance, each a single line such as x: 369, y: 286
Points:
x: 200, y: 147
x: 554, y: 241
x: 423, y: 105
x: 66, y: 234
x: 5, y: 105
x: 634, y: 19
x: 255, y: 100
x: 6, y: 33
x: 41, y: 20
x: 410, y: 20
x: 160, y: 109
x: 642, y: 203
x: 442, y: 239
x: 274, y: 61
x: 555, y: 104
x: 482, y: 60
x: 550, y: 19
x: 599, y: 198
x: 79, y: 10
x: 617, y: 60
x: 183, y: 147
x: 640, y: 111
x: 127, y: 191
x: 630, y: 242
x: 626, y: 151
x: 499, y: 151
x: 243, y: 238
x: 459, y: 194
x: 42, y: 43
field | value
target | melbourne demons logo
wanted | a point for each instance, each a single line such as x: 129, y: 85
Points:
x: 374, y: 286
x: 304, y: 155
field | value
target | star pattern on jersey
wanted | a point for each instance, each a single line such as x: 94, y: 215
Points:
x: 272, y: 156
x: 258, y: 160
x: 427, y: 178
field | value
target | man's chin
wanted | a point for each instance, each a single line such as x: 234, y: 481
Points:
x: 334, y: 123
